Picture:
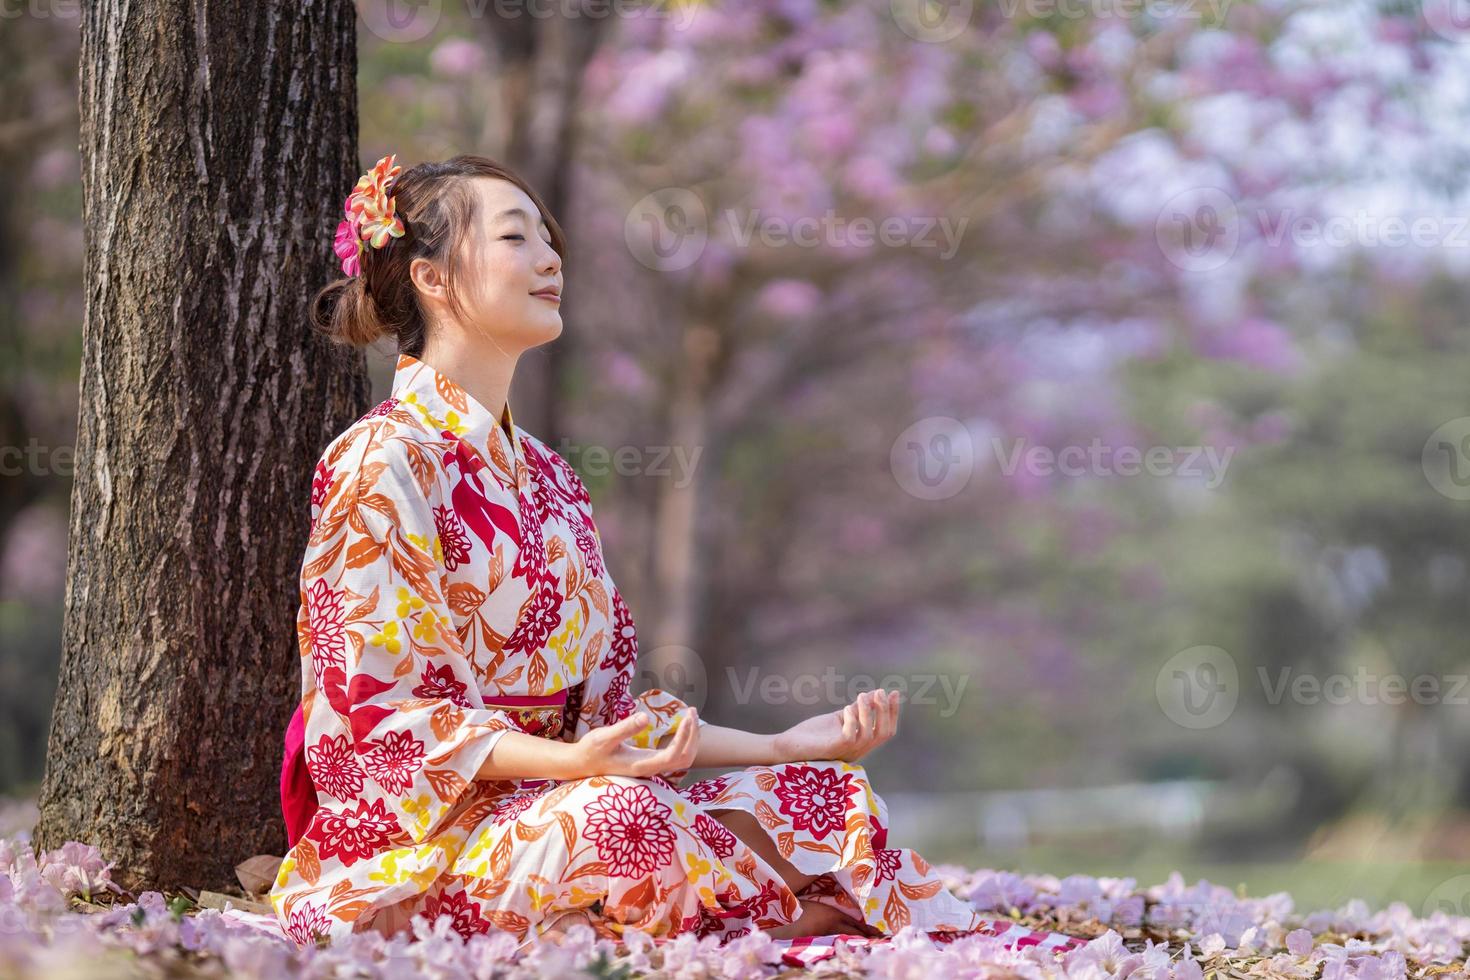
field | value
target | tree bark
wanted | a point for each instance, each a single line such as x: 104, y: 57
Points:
x: 218, y: 142
x: 678, y: 579
x: 543, y: 62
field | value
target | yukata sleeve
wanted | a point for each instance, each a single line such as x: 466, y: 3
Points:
x: 404, y: 722
x: 604, y: 697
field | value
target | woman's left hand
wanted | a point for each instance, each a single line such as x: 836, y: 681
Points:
x: 847, y: 734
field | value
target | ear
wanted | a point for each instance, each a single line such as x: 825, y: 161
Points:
x: 427, y: 279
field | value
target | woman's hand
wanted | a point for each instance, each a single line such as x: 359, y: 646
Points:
x: 848, y: 733
x: 604, y: 751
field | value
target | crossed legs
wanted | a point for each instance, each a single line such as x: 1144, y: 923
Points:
x: 817, y: 918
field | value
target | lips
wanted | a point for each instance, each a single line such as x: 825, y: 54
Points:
x: 548, y: 293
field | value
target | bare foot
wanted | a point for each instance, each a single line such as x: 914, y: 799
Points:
x: 557, y: 928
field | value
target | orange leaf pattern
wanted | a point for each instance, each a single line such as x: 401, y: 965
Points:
x: 453, y: 589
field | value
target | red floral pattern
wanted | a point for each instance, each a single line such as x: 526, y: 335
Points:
x: 453, y: 537
x: 352, y: 836
x: 453, y: 566
x: 327, y: 617
x: 623, y: 644
x: 631, y: 830
x: 333, y: 767
x: 393, y: 759
x: 440, y: 682
x: 307, y: 923
x: 815, y: 799
x: 716, y: 835
x: 465, y: 914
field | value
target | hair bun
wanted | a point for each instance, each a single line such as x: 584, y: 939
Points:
x: 345, y: 313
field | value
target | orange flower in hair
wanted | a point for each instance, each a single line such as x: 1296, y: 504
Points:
x: 370, y: 217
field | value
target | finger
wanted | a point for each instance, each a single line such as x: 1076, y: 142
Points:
x: 880, y: 716
x: 629, y: 726
x: 849, y: 724
x: 865, y: 716
x: 686, y: 739
x: 673, y: 755
x: 693, y: 725
x: 890, y: 714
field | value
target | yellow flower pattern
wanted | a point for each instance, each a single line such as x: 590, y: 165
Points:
x: 454, y: 591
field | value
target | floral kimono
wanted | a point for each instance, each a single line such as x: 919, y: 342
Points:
x: 454, y: 589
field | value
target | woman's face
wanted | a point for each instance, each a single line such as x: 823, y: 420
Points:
x: 507, y: 261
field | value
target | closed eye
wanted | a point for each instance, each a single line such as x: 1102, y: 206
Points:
x: 520, y: 237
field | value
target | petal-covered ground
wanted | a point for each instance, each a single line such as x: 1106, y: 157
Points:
x: 61, y: 916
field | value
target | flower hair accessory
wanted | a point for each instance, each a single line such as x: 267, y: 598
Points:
x: 370, y: 215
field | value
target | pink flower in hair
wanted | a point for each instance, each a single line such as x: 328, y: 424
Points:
x: 371, y: 216
x: 348, y: 248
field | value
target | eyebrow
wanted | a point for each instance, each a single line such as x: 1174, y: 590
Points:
x: 514, y: 212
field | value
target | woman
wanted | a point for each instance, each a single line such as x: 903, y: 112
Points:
x: 466, y: 742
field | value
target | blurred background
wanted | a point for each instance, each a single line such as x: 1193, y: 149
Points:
x: 1092, y: 370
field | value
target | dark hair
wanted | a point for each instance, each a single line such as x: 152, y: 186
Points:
x: 438, y: 209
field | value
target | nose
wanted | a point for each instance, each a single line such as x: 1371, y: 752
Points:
x: 550, y: 262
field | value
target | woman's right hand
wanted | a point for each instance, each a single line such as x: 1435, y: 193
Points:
x: 604, y: 751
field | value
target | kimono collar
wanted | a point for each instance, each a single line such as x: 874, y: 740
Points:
x: 444, y: 404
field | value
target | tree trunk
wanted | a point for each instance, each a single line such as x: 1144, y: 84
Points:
x: 218, y: 142
x: 678, y: 580
x: 543, y: 61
